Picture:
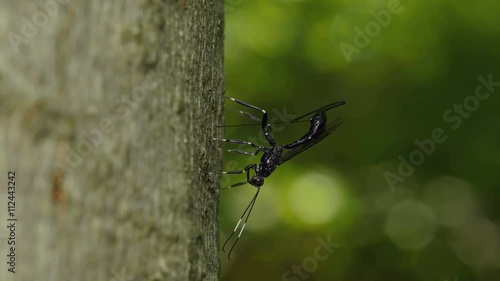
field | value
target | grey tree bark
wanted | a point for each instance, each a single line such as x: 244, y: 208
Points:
x: 107, y: 119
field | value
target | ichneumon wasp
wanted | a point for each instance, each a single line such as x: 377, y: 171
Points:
x: 276, y: 154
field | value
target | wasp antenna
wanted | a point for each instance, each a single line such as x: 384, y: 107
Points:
x: 249, y: 209
x: 229, y: 238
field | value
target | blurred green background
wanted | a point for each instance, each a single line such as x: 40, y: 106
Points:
x: 405, y: 69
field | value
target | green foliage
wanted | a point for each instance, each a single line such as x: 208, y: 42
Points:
x: 408, y: 79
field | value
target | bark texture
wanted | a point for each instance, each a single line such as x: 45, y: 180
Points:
x: 107, y: 118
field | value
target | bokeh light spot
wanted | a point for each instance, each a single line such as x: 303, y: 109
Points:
x: 315, y: 198
x: 452, y: 200
x: 477, y: 243
x: 411, y: 225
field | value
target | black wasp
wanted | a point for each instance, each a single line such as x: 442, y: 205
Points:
x: 276, y: 155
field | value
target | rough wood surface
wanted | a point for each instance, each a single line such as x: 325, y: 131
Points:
x: 107, y: 118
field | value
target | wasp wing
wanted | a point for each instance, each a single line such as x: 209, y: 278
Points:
x: 332, y: 126
x: 324, y: 108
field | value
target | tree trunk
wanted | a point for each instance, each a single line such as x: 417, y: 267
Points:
x: 107, y: 119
